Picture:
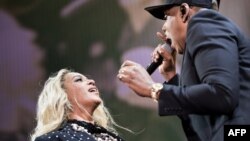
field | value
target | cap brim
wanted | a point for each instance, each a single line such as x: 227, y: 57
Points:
x: 158, y: 11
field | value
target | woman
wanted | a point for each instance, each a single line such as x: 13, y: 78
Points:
x: 70, y: 109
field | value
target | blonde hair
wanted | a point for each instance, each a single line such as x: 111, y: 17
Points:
x: 53, y: 108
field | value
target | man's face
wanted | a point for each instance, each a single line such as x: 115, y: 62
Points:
x: 175, y: 28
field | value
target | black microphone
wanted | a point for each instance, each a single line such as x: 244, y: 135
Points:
x: 154, y: 65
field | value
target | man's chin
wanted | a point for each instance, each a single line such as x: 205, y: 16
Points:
x: 179, y: 50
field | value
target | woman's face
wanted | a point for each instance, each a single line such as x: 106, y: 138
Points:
x: 81, y: 91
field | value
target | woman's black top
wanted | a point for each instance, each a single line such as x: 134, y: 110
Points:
x: 74, y: 130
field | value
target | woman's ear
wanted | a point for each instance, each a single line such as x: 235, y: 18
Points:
x: 184, y: 9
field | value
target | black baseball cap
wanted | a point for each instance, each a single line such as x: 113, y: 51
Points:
x: 158, y: 10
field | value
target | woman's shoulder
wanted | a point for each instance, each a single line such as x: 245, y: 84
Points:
x: 65, y: 133
x: 50, y: 136
x: 96, y: 131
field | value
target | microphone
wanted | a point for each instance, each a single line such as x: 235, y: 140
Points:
x: 154, y: 65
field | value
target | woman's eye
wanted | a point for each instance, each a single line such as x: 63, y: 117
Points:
x: 79, y: 79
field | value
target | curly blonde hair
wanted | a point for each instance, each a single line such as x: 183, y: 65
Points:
x: 53, y: 107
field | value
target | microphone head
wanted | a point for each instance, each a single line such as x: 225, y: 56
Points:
x: 168, y: 48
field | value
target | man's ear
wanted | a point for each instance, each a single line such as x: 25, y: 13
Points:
x: 184, y: 9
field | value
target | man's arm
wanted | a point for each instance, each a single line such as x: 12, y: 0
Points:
x: 214, y: 52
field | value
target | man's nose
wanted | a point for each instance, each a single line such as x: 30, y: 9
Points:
x: 164, y: 28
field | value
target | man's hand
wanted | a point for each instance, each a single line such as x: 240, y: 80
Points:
x: 136, y: 77
x: 167, y: 68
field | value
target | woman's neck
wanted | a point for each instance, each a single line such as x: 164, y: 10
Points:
x: 81, y: 117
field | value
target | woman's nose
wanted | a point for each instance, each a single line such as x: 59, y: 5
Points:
x: 91, y: 82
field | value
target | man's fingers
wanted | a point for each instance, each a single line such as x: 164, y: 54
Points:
x: 124, y: 78
x: 128, y: 63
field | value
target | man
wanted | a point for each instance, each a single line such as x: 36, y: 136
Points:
x: 214, y: 84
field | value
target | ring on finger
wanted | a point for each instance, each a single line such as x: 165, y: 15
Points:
x: 120, y: 77
x: 122, y: 71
